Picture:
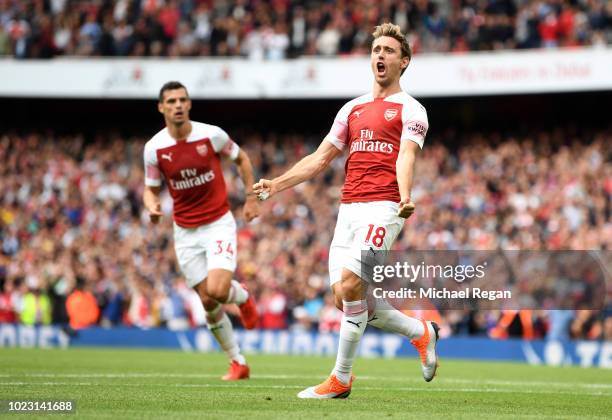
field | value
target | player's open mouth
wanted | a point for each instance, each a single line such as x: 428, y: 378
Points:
x: 380, y: 68
x: 178, y: 114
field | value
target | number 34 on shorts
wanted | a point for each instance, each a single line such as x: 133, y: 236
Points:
x: 223, y: 247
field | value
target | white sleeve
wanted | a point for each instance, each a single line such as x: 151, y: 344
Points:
x: 223, y: 144
x: 152, y: 173
x: 415, y: 124
x: 338, y: 135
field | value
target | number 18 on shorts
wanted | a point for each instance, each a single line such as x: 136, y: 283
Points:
x: 370, y: 226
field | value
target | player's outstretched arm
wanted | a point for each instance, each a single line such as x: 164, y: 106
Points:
x: 245, y: 169
x: 152, y: 203
x: 405, y: 173
x: 309, y: 167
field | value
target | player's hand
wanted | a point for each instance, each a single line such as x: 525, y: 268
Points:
x: 406, y: 208
x: 155, y: 213
x: 251, y: 208
x: 264, y: 189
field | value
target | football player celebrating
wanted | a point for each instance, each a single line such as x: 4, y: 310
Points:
x: 188, y: 155
x: 383, y: 132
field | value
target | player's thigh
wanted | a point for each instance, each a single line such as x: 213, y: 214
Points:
x: 220, y: 240
x: 340, y: 246
x: 190, y: 254
x: 375, y: 228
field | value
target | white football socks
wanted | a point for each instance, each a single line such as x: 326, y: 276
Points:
x: 392, y: 320
x: 237, y: 294
x: 354, y: 321
x: 224, y: 334
x: 221, y: 326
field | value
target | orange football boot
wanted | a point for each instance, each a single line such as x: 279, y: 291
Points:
x: 236, y: 372
x: 426, y: 346
x: 331, y: 388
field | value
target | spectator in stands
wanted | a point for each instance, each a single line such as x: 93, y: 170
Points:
x: 115, y: 302
x: 142, y: 311
x: 514, y: 323
x: 560, y: 321
x: 313, y: 303
x: 302, y: 321
x: 330, y: 317
x: 173, y: 310
x: 272, y: 307
x: 586, y: 326
x: 35, y: 305
x: 8, y: 300
x: 82, y: 306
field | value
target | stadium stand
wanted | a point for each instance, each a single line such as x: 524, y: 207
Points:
x: 72, y: 222
x: 283, y: 28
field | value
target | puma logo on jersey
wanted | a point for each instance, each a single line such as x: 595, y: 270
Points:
x: 357, y: 324
x: 357, y: 113
x: 167, y: 156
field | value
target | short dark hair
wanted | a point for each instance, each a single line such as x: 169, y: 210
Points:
x: 172, y: 85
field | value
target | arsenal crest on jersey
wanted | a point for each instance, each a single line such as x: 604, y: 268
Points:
x: 202, y: 149
x: 390, y: 114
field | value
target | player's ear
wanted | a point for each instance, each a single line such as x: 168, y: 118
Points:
x: 160, y: 107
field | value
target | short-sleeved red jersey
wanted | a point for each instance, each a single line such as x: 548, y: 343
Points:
x: 192, y: 170
x: 372, y: 130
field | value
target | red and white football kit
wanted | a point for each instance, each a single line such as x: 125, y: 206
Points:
x: 372, y: 130
x: 204, y: 227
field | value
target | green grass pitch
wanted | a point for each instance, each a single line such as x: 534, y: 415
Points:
x: 153, y: 384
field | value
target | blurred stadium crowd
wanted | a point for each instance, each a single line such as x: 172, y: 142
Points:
x: 77, y: 247
x: 277, y: 29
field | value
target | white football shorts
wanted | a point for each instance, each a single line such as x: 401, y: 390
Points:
x: 206, y: 247
x: 372, y: 226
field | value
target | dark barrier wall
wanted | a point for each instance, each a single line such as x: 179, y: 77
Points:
x: 447, y: 116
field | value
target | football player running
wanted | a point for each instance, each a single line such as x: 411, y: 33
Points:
x: 188, y: 155
x: 383, y: 132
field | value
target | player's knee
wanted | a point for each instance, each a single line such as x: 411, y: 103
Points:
x: 351, y: 286
x: 218, y: 284
x: 209, y: 303
x: 338, y: 302
x: 218, y: 293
